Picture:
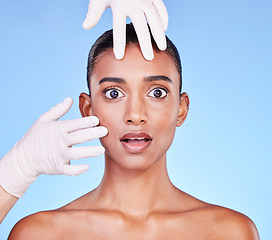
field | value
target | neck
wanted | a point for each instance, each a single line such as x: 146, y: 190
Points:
x: 135, y: 192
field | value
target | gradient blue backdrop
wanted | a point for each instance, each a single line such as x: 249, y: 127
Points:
x: 222, y: 154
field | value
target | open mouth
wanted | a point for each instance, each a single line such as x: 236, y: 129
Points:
x: 136, y: 142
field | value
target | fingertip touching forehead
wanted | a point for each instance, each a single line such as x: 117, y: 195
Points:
x: 105, y: 42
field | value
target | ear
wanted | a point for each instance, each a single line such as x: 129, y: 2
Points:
x: 183, y: 108
x: 85, y: 105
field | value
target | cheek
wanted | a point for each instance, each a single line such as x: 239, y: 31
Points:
x: 109, y: 120
x: 167, y: 124
x: 110, y: 117
x: 107, y: 113
x: 165, y: 121
x: 165, y: 114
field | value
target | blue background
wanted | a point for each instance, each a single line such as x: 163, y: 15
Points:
x: 222, y: 154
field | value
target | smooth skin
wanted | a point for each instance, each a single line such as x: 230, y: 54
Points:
x: 136, y: 199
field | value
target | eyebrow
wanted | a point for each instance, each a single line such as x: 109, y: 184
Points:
x: 147, y: 79
x: 112, y: 79
x: 158, y: 78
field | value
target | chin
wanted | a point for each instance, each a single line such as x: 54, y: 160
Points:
x: 137, y: 162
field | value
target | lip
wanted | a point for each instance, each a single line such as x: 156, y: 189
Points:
x: 136, y: 142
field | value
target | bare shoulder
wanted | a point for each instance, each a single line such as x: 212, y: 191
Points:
x: 209, y: 221
x: 54, y: 224
x: 229, y: 224
x: 35, y: 226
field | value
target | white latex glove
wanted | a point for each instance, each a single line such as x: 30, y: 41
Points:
x: 46, y: 149
x: 138, y: 11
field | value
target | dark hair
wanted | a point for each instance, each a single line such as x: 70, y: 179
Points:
x: 105, y: 42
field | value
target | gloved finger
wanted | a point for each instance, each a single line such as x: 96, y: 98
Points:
x: 80, y: 123
x: 74, y: 170
x: 57, y: 111
x: 85, y: 135
x: 161, y: 8
x: 140, y: 26
x: 156, y: 27
x: 95, y: 11
x: 85, y: 152
x: 119, y: 33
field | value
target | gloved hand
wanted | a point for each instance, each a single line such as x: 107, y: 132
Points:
x: 138, y: 11
x: 46, y: 149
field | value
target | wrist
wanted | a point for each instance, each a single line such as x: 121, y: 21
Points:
x: 12, y: 178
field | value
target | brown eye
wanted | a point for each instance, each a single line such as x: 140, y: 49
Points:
x: 158, y: 93
x: 113, y: 93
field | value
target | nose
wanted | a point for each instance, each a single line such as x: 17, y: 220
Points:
x: 136, y: 113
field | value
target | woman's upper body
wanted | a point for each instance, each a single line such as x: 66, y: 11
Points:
x: 184, y: 218
x: 140, y: 103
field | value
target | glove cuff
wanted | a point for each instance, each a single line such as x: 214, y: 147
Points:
x: 12, y: 178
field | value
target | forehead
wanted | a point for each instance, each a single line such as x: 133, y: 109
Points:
x: 134, y: 67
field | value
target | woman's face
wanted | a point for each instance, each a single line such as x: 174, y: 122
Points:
x: 140, y: 104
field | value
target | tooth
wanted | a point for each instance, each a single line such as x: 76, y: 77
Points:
x: 141, y: 138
